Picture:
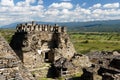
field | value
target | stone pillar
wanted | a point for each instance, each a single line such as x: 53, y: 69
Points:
x: 28, y: 28
x: 26, y: 24
x: 55, y: 29
x: 20, y: 27
x: 59, y: 29
x: 24, y: 28
x: 37, y: 27
x: 33, y: 23
x: 63, y: 29
x: 48, y: 28
x: 55, y: 24
x: 32, y: 27
x: 45, y: 27
x: 51, y: 28
x: 40, y: 27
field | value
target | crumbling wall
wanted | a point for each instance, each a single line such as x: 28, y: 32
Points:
x: 26, y: 27
x: 39, y: 44
x: 105, y: 64
x: 10, y: 65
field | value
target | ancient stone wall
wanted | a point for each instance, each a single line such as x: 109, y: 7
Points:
x: 39, y: 27
x: 40, y: 44
x: 11, y: 67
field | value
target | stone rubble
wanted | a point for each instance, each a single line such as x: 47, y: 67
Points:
x: 11, y: 67
x: 105, y: 64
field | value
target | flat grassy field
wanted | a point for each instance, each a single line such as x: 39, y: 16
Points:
x: 86, y: 42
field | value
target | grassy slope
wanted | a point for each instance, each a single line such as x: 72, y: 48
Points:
x: 7, y: 33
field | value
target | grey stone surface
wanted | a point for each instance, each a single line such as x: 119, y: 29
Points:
x: 105, y: 64
x: 39, y: 44
x: 11, y: 67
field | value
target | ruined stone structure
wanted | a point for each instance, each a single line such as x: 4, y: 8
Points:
x: 105, y: 66
x: 37, y: 44
x: 46, y: 51
x: 72, y: 67
x: 11, y: 67
x: 27, y: 27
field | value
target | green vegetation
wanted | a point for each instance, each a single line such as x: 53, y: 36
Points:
x: 45, y: 79
x: 86, y: 42
x: 7, y: 33
x: 77, y: 74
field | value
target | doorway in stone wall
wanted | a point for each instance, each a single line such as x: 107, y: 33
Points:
x: 49, y: 57
x: 46, y: 56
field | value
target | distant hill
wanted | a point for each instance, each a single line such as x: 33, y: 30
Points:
x: 92, y: 26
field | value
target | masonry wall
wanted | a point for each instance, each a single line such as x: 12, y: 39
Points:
x: 38, y: 45
x: 26, y: 27
x: 11, y: 67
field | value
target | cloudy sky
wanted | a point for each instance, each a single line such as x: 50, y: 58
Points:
x: 58, y: 10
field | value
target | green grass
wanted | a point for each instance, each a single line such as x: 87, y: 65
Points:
x: 86, y: 42
x: 7, y: 34
x: 45, y: 79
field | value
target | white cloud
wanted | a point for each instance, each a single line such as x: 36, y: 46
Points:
x: 52, y: 12
x: 21, y: 3
x: 61, y: 5
x: 98, y: 5
x: 66, y: 0
x: 40, y: 1
x: 80, y: 10
x: 65, y: 11
x: 111, y: 5
x: 97, y: 11
x: 7, y: 3
x: 30, y: 1
x: 55, y: 12
x: 25, y: 3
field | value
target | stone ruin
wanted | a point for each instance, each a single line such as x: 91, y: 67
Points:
x: 105, y: 66
x: 40, y: 47
x: 46, y: 51
x: 27, y: 27
x: 11, y: 68
x: 42, y: 40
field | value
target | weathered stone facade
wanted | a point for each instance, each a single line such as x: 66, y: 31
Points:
x: 67, y: 68
x: 27, y: 27
x: 37, y: 44
x: 11, y: 67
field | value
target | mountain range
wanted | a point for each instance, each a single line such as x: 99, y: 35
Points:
x: 92, y: 26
